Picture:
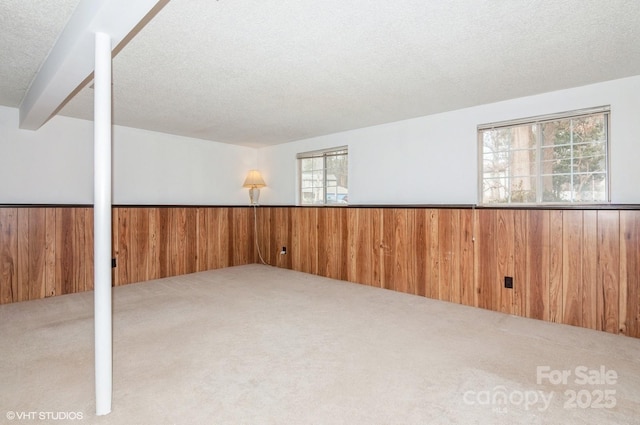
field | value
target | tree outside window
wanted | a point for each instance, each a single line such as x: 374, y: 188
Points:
x: 559, y: 160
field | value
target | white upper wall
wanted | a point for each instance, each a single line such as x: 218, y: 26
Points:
x: 54, y: 165
x: 158, y: 168
x: 51, y: 165
x: 426, y: 160
x: 433, y: 159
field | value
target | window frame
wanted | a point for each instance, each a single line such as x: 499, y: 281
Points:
x: 538, y: 120
x: 321, y: 153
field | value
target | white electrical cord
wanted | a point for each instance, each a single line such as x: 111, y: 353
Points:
x: 255, y: 228
x: 473, y: 223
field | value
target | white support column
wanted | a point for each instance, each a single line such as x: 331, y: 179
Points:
x: 102, y: 223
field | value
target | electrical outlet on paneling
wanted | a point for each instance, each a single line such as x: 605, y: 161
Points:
x: 508, y: 282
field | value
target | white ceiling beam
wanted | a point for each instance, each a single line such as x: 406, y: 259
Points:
x: 71, y: 60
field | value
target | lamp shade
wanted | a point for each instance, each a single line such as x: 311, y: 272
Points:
x: 254, y: 180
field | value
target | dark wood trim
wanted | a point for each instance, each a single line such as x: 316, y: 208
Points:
x: 582, y: 207
x: 120, y: 206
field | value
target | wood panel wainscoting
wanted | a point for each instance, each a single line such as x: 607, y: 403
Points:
x: 575, y: 266
x: 45, y: 252
x: 48, y: 251
x: 572, y: 266
x: 156, y: 242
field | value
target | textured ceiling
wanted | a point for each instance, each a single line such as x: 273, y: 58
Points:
x: 260, y: 72
x: 28, y: 30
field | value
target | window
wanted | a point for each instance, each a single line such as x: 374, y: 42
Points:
x: 561, y: 158
x: 323, y: 177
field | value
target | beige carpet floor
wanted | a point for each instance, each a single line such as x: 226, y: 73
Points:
x: 261, y: 345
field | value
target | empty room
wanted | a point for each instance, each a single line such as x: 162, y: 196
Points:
x: 338, y: 212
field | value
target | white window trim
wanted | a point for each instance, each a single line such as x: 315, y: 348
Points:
x: 314, y: 154
x: 605, y: 109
